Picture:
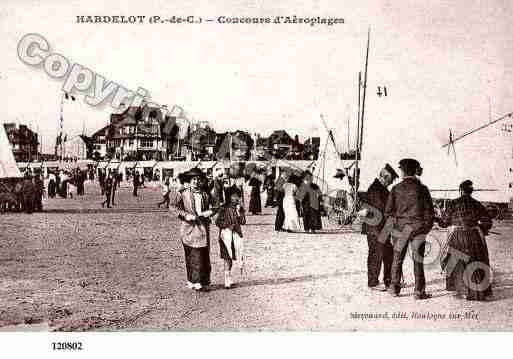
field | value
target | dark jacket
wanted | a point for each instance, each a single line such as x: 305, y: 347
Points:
x: 410, y: 203
x: 376, y: 197
x: 465, y: 211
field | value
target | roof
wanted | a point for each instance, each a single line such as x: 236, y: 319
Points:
x: 101, y: 132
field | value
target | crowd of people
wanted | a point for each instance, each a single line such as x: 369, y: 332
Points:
x: 393, y: 221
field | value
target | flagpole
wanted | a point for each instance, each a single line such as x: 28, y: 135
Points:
x: 357, y: 134
x: 61, y: 125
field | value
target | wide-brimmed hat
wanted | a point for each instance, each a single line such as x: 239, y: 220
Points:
x: 195, y: 172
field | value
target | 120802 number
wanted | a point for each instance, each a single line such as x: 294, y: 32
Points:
x: 67, y: 346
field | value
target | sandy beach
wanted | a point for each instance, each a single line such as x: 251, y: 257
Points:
x: 79, y: 267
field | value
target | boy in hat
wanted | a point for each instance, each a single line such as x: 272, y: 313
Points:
x: 410, y: 207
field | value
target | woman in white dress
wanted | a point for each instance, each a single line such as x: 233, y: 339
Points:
x: 291, y: 223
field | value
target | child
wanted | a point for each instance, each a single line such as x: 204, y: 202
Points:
x: 231, y: 217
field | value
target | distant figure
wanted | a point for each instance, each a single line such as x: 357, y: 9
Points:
x: 39, y: 192
x: 291, y: 222
x: 410, y: 208
x: 107, y: 190
x: 28, y: 193
x: 136, y: 183
x: 469, y: 223
x: 279, y: 194
x: 269, y: 188
x: 231, y: 217
x: 63, y: 189
x: 255, y: 201
x: 116, y: 179
x: 52, y: 184
x: 101, y: 180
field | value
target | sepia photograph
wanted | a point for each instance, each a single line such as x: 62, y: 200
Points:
x: 253, y: 166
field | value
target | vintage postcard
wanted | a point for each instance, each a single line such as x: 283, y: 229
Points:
x: 256, y: 166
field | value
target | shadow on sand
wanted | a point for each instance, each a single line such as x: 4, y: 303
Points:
x: 287, y: 280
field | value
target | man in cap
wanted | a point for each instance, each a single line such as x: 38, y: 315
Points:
x: 374, y: 221
x: 410, y: 209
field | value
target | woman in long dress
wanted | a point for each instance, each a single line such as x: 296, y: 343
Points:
x: 255, y: 201
x: 269, y: 187
x: 465, y: 257
x: 194, y: 213
x: 291, y: 222
x: 51, y: 185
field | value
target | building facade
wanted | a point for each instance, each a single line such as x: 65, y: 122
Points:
x: 24, y: 142
x: 77, y: 148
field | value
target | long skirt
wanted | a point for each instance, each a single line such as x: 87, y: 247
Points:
x: 197, y: 264
x: 269, y: 202
x: 63, y: 189
x: 280, y: 214
x: 291, y: 222
x: 469, y: 273
x: 51, y: 189
x: 255, y: 201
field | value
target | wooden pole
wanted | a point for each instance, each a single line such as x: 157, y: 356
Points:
x: 357, y: 176
x: 357, y: 145
x: 364, y: 90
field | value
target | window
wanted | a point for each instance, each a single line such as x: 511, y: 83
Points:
x: 130, y: 142
x: 146, y: 142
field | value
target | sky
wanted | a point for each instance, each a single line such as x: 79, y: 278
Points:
x: 447, y: 65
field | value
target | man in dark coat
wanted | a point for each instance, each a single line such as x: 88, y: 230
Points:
x: 280, y: 194
x: 410, y: 212
x: 374, y: 220
x: 108, y: 189
x: 310, y: 196
x: 101, y: 180
x: 136, y: 183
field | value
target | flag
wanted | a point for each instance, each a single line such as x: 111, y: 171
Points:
x: 169, y: 125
